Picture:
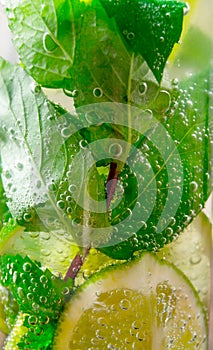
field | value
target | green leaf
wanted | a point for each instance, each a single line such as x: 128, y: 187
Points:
x: 44, y: 36
x: 175, y: 181
x: 4, y: 211
x: 37, y: 182
x: 22, y: 276
x: 181, y: 113
x: 40, y: 296
x: 87, y: 44
x: 30, y: 128
x: 149, y: 28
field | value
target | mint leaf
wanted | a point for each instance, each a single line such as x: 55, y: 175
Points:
x: 149, y: 28
x: 72, y: 212
x: 36, y: 291
x: 44, y: 36
x: 188, y: 122
x: 29, y: 124
x: 4, y: 211
x: 44, y: 138
x: 39, y: 294
x: 93, y: 46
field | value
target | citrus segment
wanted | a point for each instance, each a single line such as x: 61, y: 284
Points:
x: 144, y: 304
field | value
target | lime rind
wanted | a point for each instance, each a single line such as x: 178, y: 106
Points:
x: 191, y: 253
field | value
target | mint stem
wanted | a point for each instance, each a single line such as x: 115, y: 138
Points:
x: 76, y: 265
x: 112, y: 180
x: 79, y: 259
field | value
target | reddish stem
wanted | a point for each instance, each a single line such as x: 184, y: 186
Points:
x: 112, y: 180
x: 76, y: 265
x: 79, y: 259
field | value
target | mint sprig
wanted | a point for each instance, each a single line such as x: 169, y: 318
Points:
x: 72, y: 44
x: 187, y: 106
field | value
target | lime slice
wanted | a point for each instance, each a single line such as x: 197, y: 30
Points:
x: 191, y: 253
x: 144, y: 304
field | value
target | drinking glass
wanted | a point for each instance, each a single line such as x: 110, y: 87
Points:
x: 106, y: 168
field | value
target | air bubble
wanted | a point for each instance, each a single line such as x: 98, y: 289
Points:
x: 99, y: 334
x: 51, y: 187
x: 72, y: 188
x: 136, y: 324
x: 49, y: 43
x: 30, y: 296
x: 186, y: 9
x: 27, y: 267
x: 143, y: 225
x: 20, y: 166
x: 43, y: 299
x: 44, y: 319
x: 97, y: 92
x: 27, y: 217
x: 74, y: 93
x: 130, y: 36
x: 83, y: 144
x: 37, y: 89
x: 115, y: 149
x: 195, y: 259
x: 194, y: 186
x: 101, y: 321
x: 61, y: 204
x: 124, y: 304
x: 7, y: 175
x: 32, y: 320
x: 142, y: 88
x: 162, y: 101
x: 66, y: 132
x: 43, y: 279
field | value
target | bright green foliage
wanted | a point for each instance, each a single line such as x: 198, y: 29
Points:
x: 188, y: 122
x: 173, y: 163
x: 98, y: 52
x: 39, y: 294
x: 4, y: 212
x: 75, y: 46
x: 148, y: 28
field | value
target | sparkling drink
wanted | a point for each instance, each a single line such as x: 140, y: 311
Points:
x: 105, y: 164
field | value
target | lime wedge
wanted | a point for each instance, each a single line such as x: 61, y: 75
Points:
x: 143, y: 304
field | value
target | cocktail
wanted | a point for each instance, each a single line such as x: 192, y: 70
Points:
x: 106, y: 132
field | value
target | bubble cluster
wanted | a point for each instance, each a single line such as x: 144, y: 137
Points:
x: 128, y: 319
